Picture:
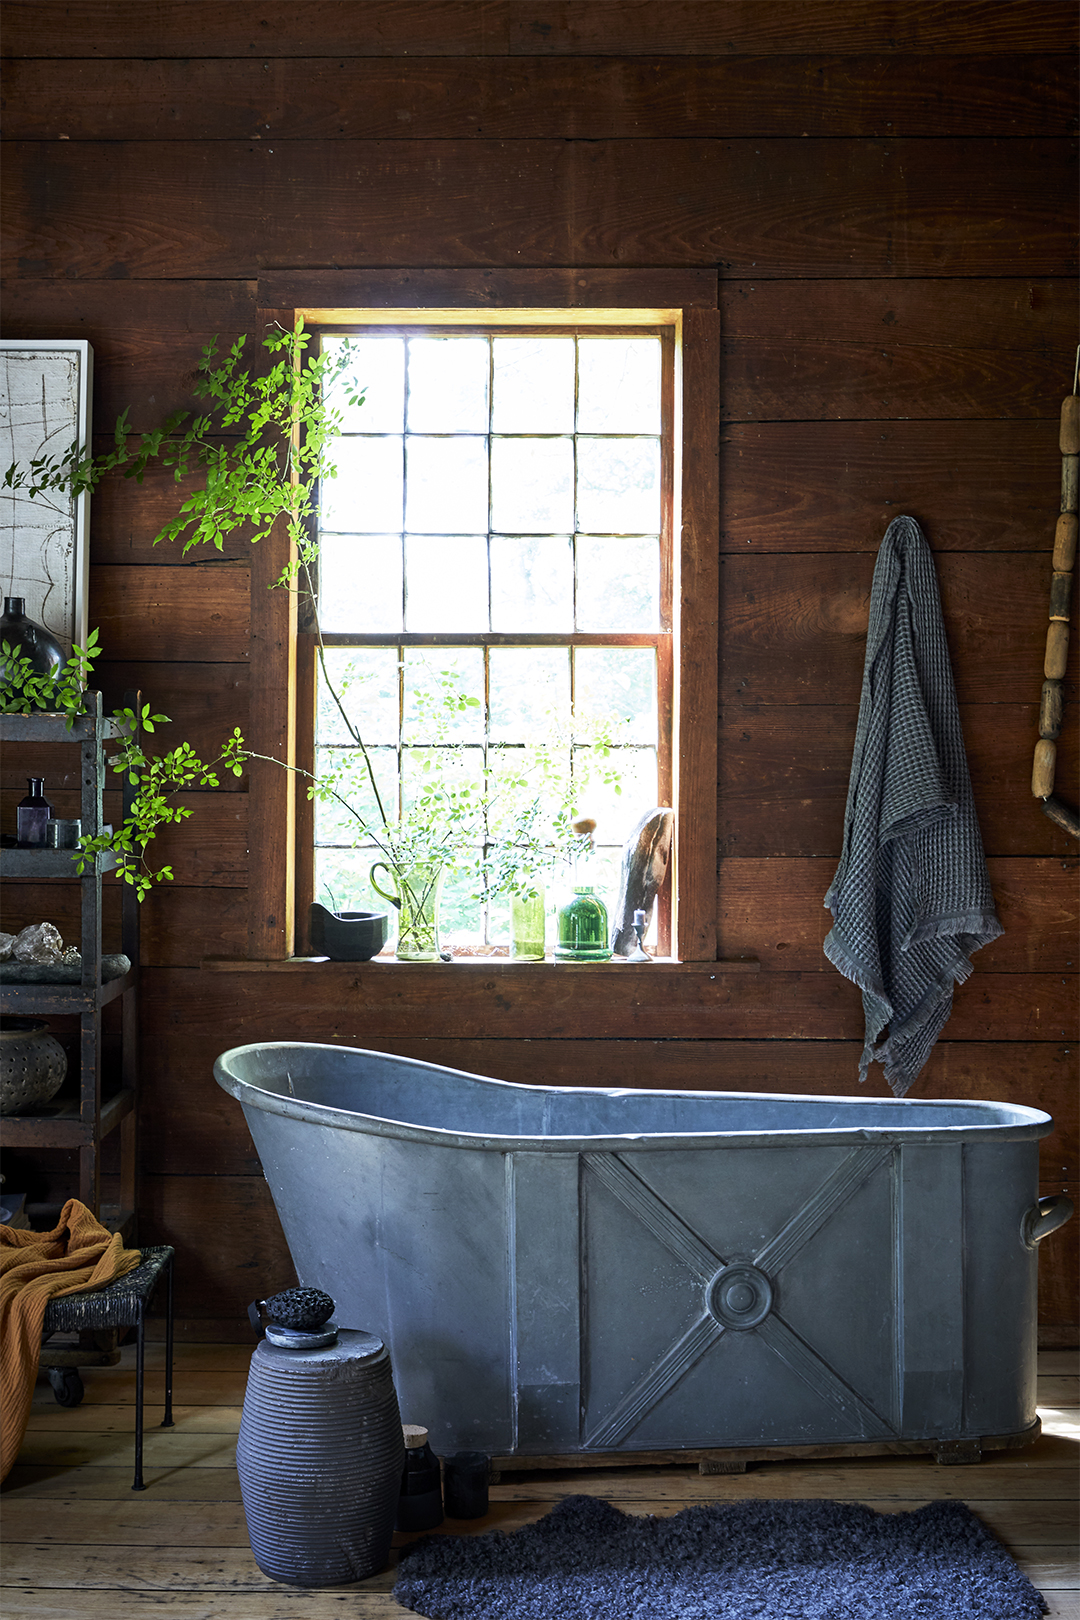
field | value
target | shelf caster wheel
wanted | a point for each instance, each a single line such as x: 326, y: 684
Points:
x: 66, y: 1384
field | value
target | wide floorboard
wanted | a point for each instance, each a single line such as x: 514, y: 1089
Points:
x: 78, y: 1544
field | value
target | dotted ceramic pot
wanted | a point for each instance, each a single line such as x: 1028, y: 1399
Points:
x: 32, y: 1065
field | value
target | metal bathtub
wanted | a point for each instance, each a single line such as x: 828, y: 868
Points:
x: 565, y: 1272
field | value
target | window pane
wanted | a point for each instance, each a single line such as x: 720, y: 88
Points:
x: 360, y: 582
x: 378, y: 367
x: 366, y: 680
x: 615, y: 688
x: 615, y: 790
x: 529, y: 692
x: 532, y: 486
x: 354, y: 817
x: 522, y: 776
x: 444, y: 695
x: 366, y: 494
x: 341, y: 879
x: 619, y: 385
x: 533, y: 389
x: 448, y: 385
x: 452, y: 778
x: 532, y: 582
x: 448, y: 486
x: 446, y: 582
x: 619, y: 486
x: 460, y: 912
x: 618, y: 582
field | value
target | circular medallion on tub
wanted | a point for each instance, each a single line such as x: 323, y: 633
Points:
x: 739, y: 1296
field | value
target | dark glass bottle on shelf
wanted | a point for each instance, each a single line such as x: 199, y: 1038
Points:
x: 31, y: 640
x: 32, y: 815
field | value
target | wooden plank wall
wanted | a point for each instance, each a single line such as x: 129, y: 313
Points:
x: 884, y: 191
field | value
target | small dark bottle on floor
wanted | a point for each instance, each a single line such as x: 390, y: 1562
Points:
x: 420, y: 1505
x: 467, y: 1485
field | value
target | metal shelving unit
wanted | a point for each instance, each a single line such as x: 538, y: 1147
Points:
x: 86, y: 1122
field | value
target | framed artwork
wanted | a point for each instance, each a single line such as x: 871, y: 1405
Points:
x: 45, y: 393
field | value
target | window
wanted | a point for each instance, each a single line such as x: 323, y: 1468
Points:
x: 682, y: 306
x: 496, y: 595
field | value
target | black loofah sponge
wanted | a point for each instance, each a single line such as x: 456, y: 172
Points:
x: 303, y: 1308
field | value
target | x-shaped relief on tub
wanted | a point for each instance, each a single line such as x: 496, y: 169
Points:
x: 737, y: 1296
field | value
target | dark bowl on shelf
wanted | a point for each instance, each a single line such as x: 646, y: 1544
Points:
x: 348, y: 936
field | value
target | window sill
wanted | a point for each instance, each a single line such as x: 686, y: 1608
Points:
x: 473, y: 964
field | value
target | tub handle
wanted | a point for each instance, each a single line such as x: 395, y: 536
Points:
x: 1045, y: 1217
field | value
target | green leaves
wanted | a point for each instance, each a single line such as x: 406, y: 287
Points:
x: 259, y: 448
x: 156, y: 779
x: 22, y: 690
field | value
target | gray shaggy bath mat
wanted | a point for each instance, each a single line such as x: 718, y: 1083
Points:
x: 771, y: 1560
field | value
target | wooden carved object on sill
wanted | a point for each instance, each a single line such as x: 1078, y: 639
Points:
x: 1057, y: 635
x: 645, y: 859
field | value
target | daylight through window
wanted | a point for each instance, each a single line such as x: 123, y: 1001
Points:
x: 494, y: 584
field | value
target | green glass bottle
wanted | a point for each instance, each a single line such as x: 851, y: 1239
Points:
x: 527, y: 927
x: 583, y: 928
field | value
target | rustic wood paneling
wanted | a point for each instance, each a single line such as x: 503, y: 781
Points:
x: 179, y: 925
x: 126, y: 516
x: 858, y: 350
x: 588, y: 98
x: 765, y: 25
x: 268, y: 29
x: 145, y: 362
x: 775, y: 908
x: 497, y: 286
x: 204, y: 702
x: 784, y: 772
x: 272, y: 795
x: 474, y: 1002
x: 224, y: 208
x: 209, y: 846
x: 795, y: 627
x: 697, y: 584
x: 201, y: 1215
x: 197, y: 612
x: 58, y: 902
x: 836, y: 486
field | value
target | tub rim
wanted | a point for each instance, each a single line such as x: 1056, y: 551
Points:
x: 1032, y: 1124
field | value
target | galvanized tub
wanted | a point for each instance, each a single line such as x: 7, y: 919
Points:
x: 571, y: 1272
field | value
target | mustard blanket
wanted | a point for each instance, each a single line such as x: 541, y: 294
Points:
x: 36, y: 1267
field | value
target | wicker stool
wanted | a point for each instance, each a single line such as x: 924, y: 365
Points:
x: 120, y: 1304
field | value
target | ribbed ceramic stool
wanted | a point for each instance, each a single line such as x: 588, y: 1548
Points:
x: 320, y: 1457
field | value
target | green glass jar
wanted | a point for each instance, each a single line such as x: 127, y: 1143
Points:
x: 527, y: 927
x: 583, y: 928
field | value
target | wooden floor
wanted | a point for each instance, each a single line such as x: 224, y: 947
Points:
x: 79, y: 1545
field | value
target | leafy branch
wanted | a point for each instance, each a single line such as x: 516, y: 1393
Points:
x: 156, y: 780
x: 260, y: 446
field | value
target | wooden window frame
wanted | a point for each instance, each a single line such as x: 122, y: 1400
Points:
x: 685, y: 300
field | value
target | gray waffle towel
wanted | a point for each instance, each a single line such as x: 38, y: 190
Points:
x: 911, y: 899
